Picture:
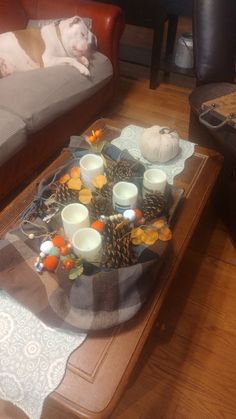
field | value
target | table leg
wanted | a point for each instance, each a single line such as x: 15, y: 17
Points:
x: 171, y: 34
x: 158, y: 33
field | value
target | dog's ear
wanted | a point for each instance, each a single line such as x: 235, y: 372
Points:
x: 75, y: 20
x: 88, y: 22
x: 94, y: 41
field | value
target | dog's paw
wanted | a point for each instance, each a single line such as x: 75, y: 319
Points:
x: 84, y: 61
x: 85, y: 71
x: 5, y: 69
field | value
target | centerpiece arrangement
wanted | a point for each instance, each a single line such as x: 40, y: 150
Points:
x: 101, y: 212
x: 90, y: 247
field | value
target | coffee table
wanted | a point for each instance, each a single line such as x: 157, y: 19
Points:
x: 99, y: 370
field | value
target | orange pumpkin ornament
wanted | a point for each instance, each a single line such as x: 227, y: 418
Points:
x: 64, y: 250
x: 50, y: 263
x: 98, y: 225
x: 98, y: 133
x: 138, y: 214
x: 58, y: 241
x: 69, y: 264
x: 92, y: 139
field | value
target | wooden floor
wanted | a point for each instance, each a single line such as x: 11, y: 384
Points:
x: 188, y: 367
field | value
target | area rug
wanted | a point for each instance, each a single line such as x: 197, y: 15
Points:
x: 33, y: 356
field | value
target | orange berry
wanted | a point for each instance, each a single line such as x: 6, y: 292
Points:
x: 69, y: 264
x: 98, y: 225
x: 64, y: 250
x: 92, y: 139
x: 58, y: 241
x: 138, y: 213
x: 50, y: 262
x: 98, y: 133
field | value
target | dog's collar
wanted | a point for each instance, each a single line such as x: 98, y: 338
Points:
x: 58, y: 32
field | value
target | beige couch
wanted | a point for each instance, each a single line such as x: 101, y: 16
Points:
x: 40, y: 109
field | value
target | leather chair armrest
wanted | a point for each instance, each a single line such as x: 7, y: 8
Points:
x: 107, y: 20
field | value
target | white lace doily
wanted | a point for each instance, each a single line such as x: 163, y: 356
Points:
x: 33, y: 356
x: 129, y: 140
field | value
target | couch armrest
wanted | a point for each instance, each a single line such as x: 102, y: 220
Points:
x: 108, y: 20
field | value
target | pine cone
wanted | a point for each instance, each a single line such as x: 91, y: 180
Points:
x: 121, y: 170
x: 101, y: 202
x: 117, y: 249
x: 106, y: 191
x: 65, y: 195
x: 154, y: 205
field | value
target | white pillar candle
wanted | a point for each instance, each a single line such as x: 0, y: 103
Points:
x: 91, y: 165
x: 124, y: 196
x: 87, y: 244
x: 74, y: 216
x: 154, y: 180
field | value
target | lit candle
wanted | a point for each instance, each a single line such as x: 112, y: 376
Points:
x: 87, y: 244
x: 124, y: 196
x: 154, y: 180
x: 91, y: 165
x: 74, y: 216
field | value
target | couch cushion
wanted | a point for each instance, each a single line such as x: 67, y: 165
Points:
x: 39, y: 96
x: 12, y: 135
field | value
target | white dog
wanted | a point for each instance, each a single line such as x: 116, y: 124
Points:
x: 66, y: 42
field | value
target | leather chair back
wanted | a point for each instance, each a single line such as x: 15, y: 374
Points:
x: 214, y: 33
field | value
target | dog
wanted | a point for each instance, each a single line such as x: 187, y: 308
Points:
x: 68, y: 41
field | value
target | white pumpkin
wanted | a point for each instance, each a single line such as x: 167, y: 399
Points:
x: 159, y: 144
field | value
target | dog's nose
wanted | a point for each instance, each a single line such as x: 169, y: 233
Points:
x: 93, y: 41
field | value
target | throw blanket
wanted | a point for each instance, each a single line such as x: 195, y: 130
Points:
x: 101, y: 300
x: 98, y: 300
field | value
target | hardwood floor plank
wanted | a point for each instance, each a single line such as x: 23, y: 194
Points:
x: 188, y: 368
x: 147, y: 107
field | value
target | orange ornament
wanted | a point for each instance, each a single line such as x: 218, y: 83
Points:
x: 64, y: 250
x: 138, y: 213
x: 50, y: 263
x: 69, y: 263
x: 98, y: 133
x: 58, y: 241
x: 92, y: 139
x: 98, y: 225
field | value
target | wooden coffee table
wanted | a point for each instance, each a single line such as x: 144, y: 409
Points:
x: 99, y: 370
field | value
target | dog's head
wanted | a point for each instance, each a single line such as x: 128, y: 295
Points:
x: 76, y: 36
